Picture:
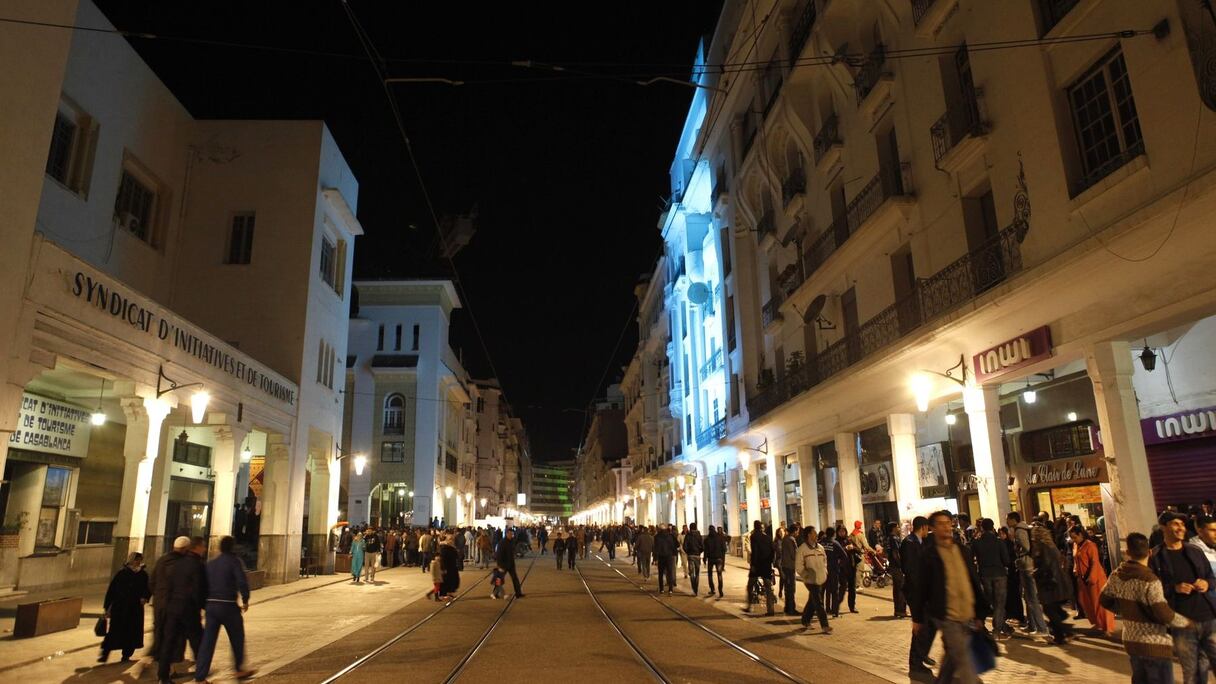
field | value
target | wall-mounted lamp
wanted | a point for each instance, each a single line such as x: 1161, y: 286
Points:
x: 246, y: 452
x: 1029, y: 395
x: 447, y: 491
x: 483, y: 502
x: 922, y: 385
x: 951, y: 419
x: 468, y: 496
x: 360, y: 464
x: 1072, y: 416
x: 198, y: 402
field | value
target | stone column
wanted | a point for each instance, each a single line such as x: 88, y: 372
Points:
x: 831, y: 477
x: 652, y: 508
x: 902, y: 429
x: 849, y: 471
x: 276, y: 486
x: 1109, y: 365
x: 775, y: 466
x: 322, y: 504
x: 732, y: 502
x: 751, y: 490
x: 983, y: 407
x: 715, y: 502
x: 702, y: 515
x: 690, y: 502
x: 226, y: 462
x: 808, y: 480
x: 140, y: 448
x: 10, y: 410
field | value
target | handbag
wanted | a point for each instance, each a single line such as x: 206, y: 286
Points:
x: 983, y: 651
x: 99, y: 629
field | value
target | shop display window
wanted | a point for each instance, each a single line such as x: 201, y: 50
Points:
x: 54, y: 498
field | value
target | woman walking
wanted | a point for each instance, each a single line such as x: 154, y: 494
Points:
x: 124, y: 606
x: 450, y: 560
x: 1091, y: 578
x: 356, y: 556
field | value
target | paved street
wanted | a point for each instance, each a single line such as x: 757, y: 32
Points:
x: 308, y: 631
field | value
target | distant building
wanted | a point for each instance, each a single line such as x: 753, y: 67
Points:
x: 551, y: 485
x: 602, y: 465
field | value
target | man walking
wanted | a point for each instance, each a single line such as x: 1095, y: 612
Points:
x: 693, y: 547
x: 225, y: 582
x: 911, y: 551
x: 891, y: 547
x: 665, y: 556
x: 186, y: 597
x: 715, y: 558
x: 948, y: 593
x: 811, y: 563
x: 1036, y: 622
x: 643, y: 547
x: 787, y: 561
x: 505, y: 557
x: 371, y: 554
x: 1190, y: 589
x: 424, y: 549
x: 993, y: 559
x: 760, y: 565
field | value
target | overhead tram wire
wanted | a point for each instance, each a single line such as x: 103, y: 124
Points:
x: 377, y: 62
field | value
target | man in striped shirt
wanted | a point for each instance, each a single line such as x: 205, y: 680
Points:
x: 1136, y: 595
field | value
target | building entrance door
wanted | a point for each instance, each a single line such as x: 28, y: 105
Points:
x: 189, y: 511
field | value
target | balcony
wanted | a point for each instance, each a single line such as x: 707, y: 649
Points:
x: 930, y: 15
x: 873, y: 81
x: 789, y: 279
x: 712, y: 364
x: 958, y: 135
x: 770, y: 313
x: 712, y: 434
x: 956, y: 284
x: 827, y: 145
x: 802, y: 30
x: 794, y: 186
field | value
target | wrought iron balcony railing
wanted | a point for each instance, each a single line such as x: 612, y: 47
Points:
x: 802, y: 30
x: 960, y: 120
x: 968, y: 277
x: 828, y: 135
x: 768, y: 313
x: 794, y: 184
x: 713, y: 363
x: 712, y: 433
x: 870, y: 72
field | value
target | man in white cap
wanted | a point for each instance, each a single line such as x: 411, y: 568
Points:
x: 158, y: 584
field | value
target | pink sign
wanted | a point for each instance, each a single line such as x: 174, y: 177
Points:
x: 1009, y: 356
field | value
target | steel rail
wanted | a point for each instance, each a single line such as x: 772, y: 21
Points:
x: 759, y: 660
x: 464, y: 662
x: 637, y: 651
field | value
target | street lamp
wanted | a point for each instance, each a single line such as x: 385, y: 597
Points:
x: 447, y: 491
x: 198, y: 402
x: 98, y: 417
x: 483, y: 502
x: 360, y: 463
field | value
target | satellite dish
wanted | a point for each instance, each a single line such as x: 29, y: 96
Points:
x: 816, y: 308
x: 698, y: 293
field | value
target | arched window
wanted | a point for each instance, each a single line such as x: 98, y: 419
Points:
x: 394, y: 414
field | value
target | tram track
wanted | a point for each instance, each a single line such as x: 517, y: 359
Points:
x: 656, y: 669
x: 401, y: 642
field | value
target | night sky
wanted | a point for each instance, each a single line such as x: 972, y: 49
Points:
x: 567, y: 170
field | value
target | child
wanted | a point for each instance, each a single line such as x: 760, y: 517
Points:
x: 496, y: 581
x: 436, y: 578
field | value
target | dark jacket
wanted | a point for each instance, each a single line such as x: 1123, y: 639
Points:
x: 991, y: 555
x: 693, y: 544
x: 928, y: 598
x: 910, y: 551
x: 1160, y: 565
x: 1049, y: 576
x: 715, y: 546
x: 124, y: 603
x: 892, y: 549
x: 158, y: 583
x: 789, y: 553
x: 643, y: 544
x: 664, y: 544
x: 762, y: 555
x: 505, y: 555
x: 187, y: 586
x: 226, y: 578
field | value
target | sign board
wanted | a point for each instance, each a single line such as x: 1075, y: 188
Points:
x: 51, y: 427
x: 1176, y: 427
x: 931, y: 467
x: 1009, y: 356
x: 877, y: 483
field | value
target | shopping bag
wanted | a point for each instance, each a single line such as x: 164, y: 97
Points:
x: 983, y: 651
x: 100, y: 628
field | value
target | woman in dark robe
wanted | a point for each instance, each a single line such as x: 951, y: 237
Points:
x: 124, y: 605
x: 449, y: 559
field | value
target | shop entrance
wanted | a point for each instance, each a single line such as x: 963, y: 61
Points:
x: 188, y: 513
x: 1083, y: 501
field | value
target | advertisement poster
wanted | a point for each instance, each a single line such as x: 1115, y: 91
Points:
x: 931, y: 466
x: 877, y: 483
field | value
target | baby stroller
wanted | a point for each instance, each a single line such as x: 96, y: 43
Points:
x: 874, y: 570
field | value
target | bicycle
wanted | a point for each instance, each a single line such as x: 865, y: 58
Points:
x: 757, y: 586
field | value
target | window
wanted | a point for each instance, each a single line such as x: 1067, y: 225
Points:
x: 734, y: 394
x: 135, y: 207
x: 1105, y: 119
x: 240, y: 240
x: 725, y: 252
x: 327, y: 360
x: 394, y: 415
x: 328, y: 261
x: 449, y: 462
x: 73, y: 141
x: 192, y: 454
x: 417, y: 333
x: 397, y: 347
x: 392, y: 452
x: 54, y: 498
x: 380, y: 339
x: 95, y: 532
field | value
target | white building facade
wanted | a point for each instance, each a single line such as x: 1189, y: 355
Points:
x: 901, y: 244
x: 159, y: 265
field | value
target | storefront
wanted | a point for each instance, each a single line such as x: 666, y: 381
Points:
x: 793, y: 489
x: 877, y: 473
x: 827, y: 485
x: 1181, y: 450
x: 1060, y: 471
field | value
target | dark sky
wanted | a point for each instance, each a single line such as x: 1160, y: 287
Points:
x: 565, y: 169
